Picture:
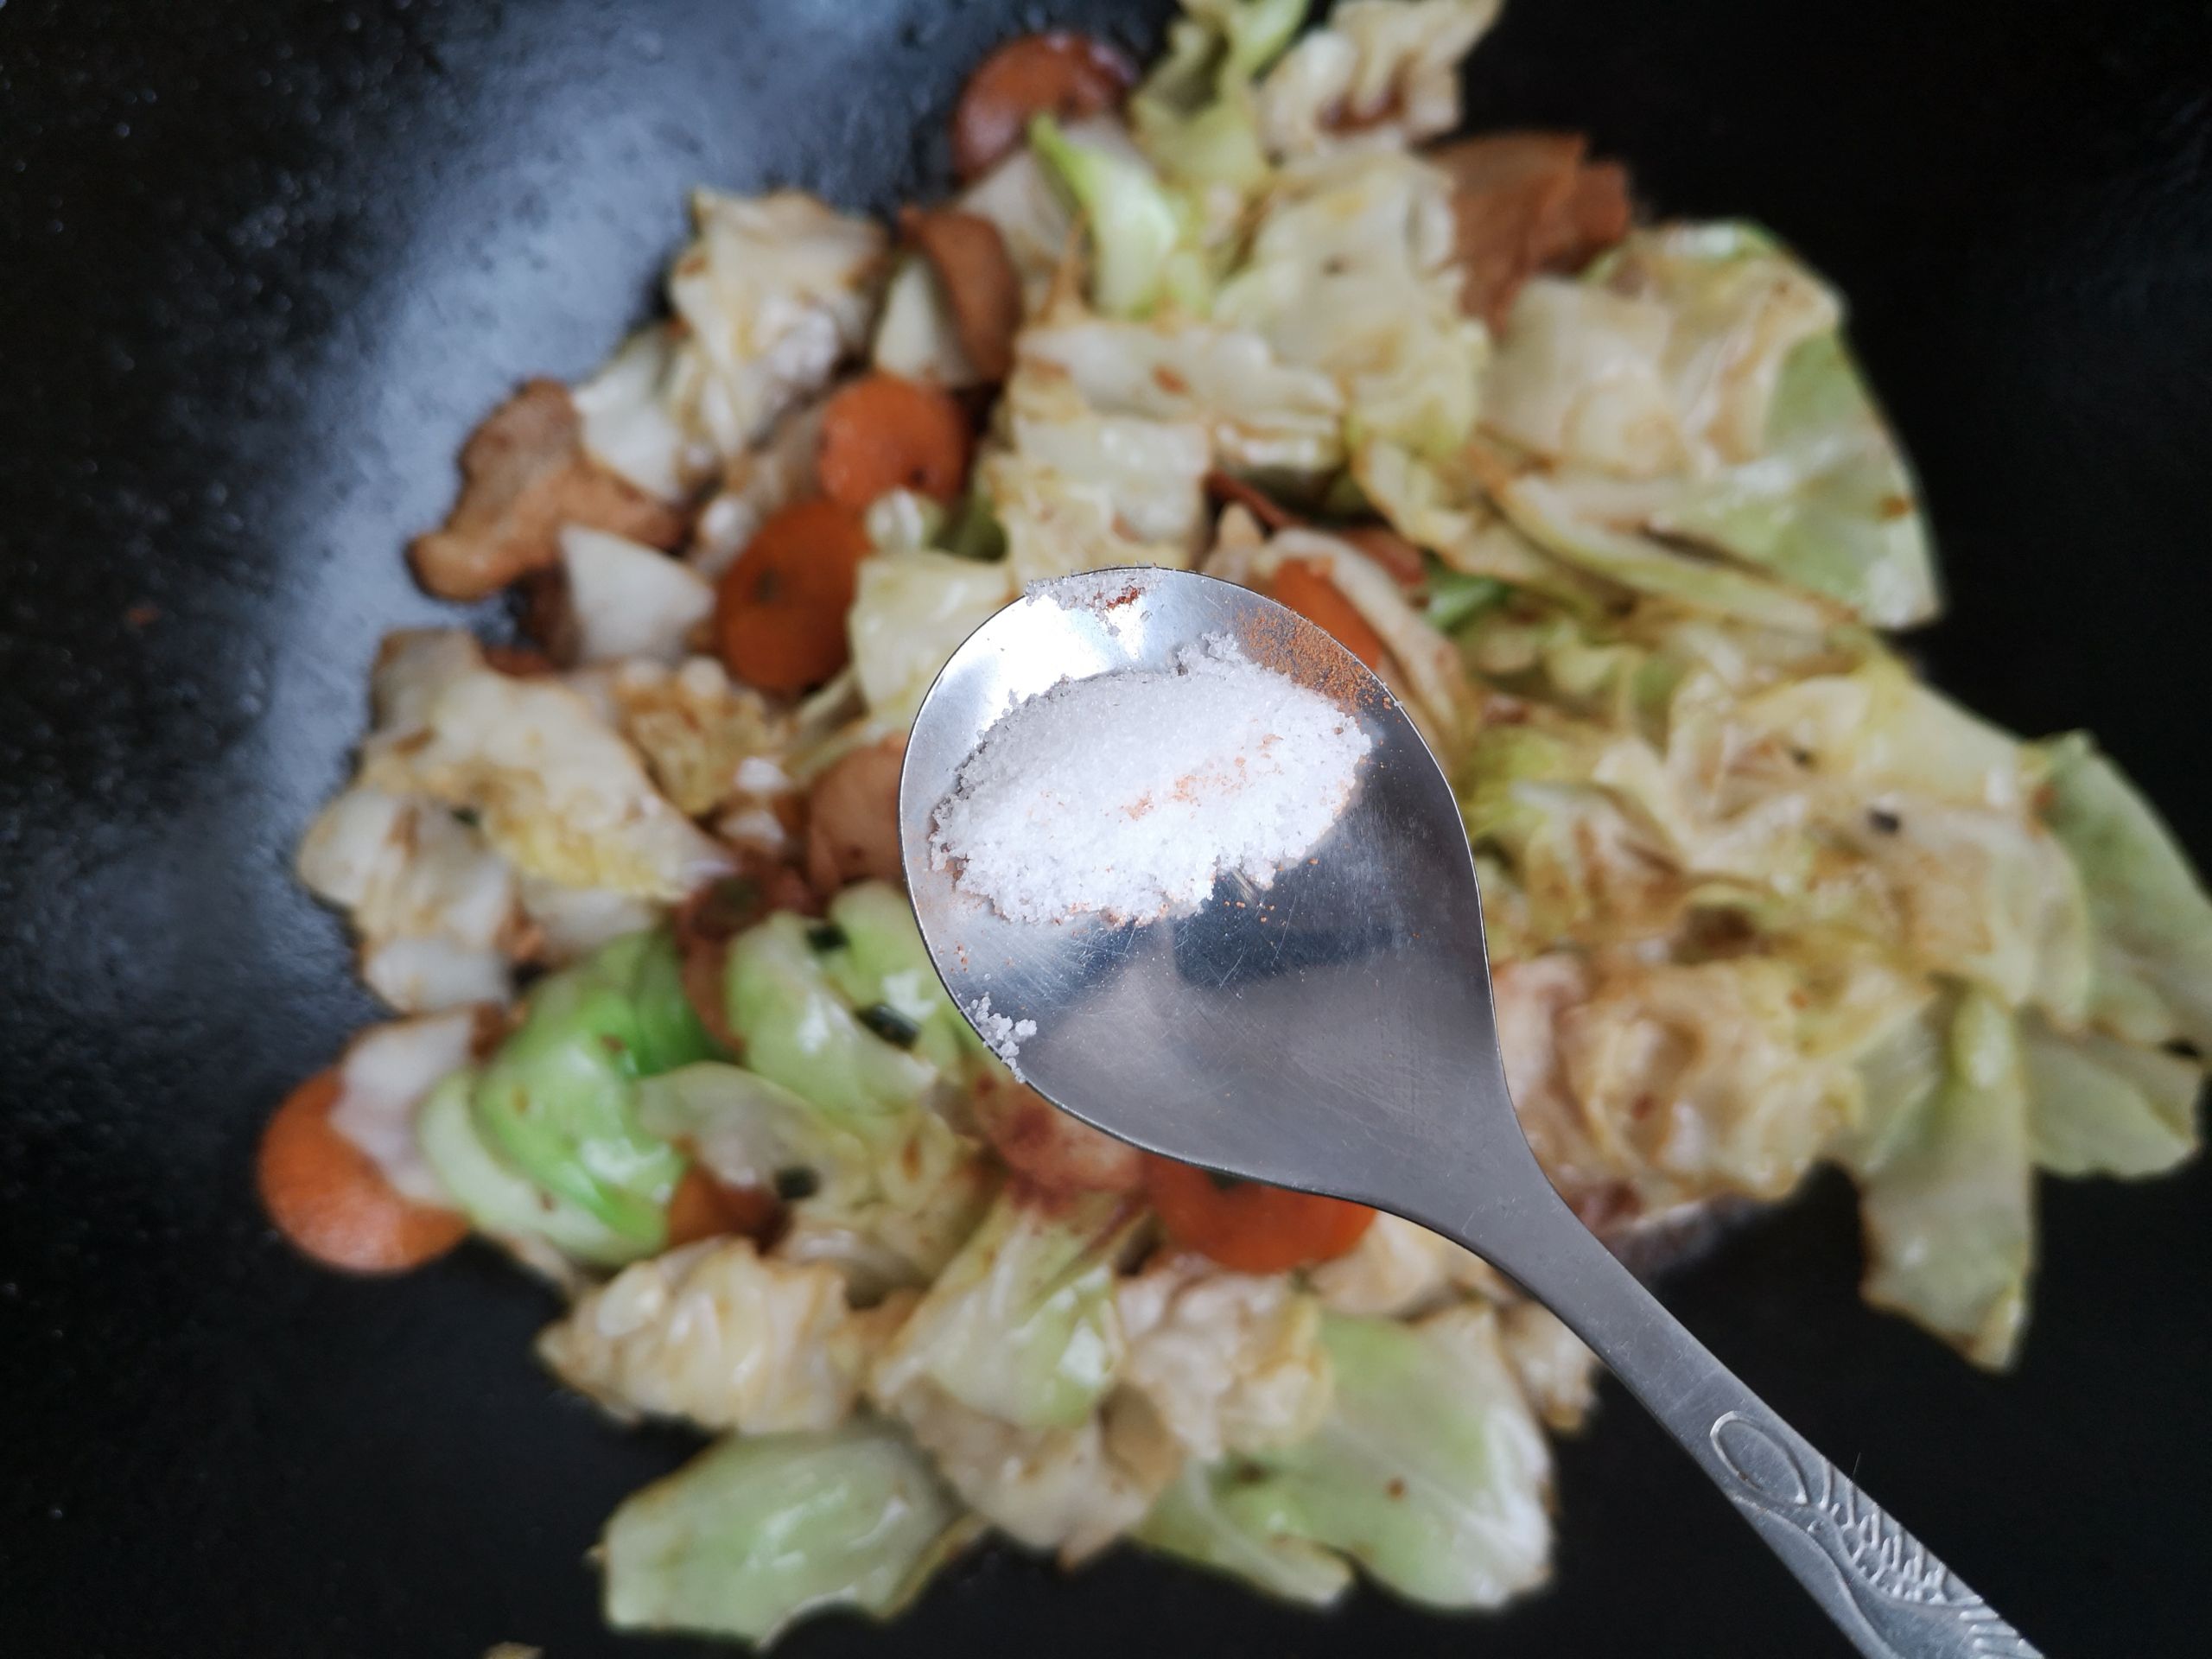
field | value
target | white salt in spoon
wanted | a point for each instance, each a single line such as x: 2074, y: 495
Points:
x: 1333, y: 1032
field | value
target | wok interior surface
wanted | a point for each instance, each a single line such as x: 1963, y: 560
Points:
x: 266, y: 264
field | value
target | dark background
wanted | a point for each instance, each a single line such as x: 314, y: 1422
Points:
x: 262, y: 266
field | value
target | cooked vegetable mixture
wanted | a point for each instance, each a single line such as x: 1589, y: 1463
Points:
x: 1606, y: 502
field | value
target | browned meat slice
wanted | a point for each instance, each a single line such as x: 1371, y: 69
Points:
x: 525, y: 474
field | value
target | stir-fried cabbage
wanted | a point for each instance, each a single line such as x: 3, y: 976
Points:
x: 1396, y: 1270
x: 433, y: 905
x: 500, y: 1201
x: 915, y: 337
x: 1137, y: 228
x: 1227, y: 1362
x: 1381, y: 72
x: 1021, y: 1326
x: 800, y: 1033
x: 1430, y: 1471
x: 755, y: 1533
x: 387, y: 1073
x: 772, y: 294
x: 887, y: 1205
x: 912, y: 611
x: 1756, y: 898
x: 1199, y: 1520
x: 2150, y: 921
x: 1071, y: 1489
x: 559, y: 1098
x: 1197, y: 114
x: 1032, y: 216
x: 1949, y: 1212
x: 717, y: 1335
x: 2098, y: 1106
x: 1693, y: 387
x: 1261, y: 415
x: 630, y: 600
x: 1350, y: 272
x: 696, y: 729
x: 1076, y: 488
x: 557, y: 792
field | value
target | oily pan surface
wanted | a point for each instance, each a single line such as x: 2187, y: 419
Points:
x: 269, y: 267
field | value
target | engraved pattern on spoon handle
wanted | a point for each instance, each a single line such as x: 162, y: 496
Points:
x: 1887, y: 1592
x: 1912, y: 1604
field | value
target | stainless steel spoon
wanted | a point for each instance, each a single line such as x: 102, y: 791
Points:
x: 1335, y: 1033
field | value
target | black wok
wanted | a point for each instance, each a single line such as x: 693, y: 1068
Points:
x: 263, y: 262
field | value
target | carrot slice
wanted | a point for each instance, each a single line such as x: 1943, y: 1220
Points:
x: 779, y: 618
x: 1305, y: 587
x: 981, y: 285
x: 882, y: 434
x: 1065, y: 75
x: 703, y: 1207
x: 1247, y: 1227
x: 331, y: 1201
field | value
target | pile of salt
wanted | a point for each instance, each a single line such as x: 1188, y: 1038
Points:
x: 1130, y: 794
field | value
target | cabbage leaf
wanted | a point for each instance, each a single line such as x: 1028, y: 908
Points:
x: 754, y: 1534
x: 1431, y: 1471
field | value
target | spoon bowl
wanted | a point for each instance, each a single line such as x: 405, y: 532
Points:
x: 1333, y: 1030
x: 1326, y: 1032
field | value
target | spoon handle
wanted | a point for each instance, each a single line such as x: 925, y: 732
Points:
x: 1884, y: 1588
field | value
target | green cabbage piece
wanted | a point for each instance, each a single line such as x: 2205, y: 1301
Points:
x: 1021, y: 1325
x: 1137, y: 227
x: 1950, y: 1215
x: 748, y: 1131
x: 2098, y: 1106
x: 1899, y: 1074
x: 1200, y: 1519
x: 1455, y: 599
x: 889, y: 1202
x: 1830, y: 506
x: 499, y: 1199
x: 911, y: 611
x: 1349, y: 271
x: 2151, y: 922
x: 883, y: 964
x: 559, y: 1099
x: 1431, y: 1471
x: 1547, y: 513
x: 1194, y: 115
x: 800, y: 1031
x: 754, y: 1534
x: 1695, y: 388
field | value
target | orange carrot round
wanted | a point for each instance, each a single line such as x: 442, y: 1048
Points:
x: 1061, y: 74
x: 882, y: 434
x: 1247, y: 1227
x: 331, y: 1201
x: 1305, y: 587
x: 779, y: 618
